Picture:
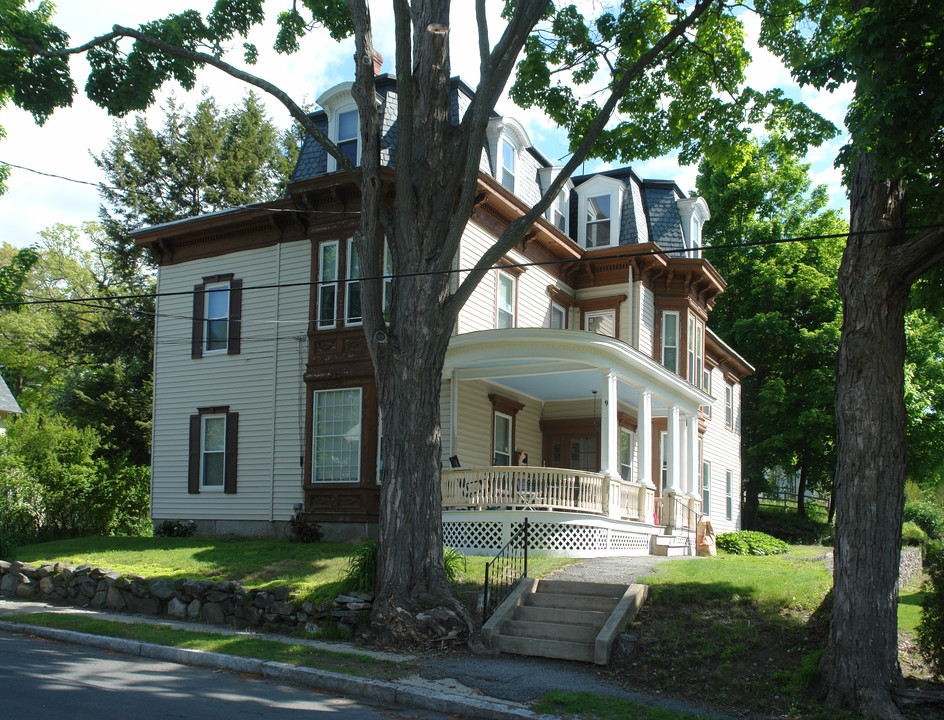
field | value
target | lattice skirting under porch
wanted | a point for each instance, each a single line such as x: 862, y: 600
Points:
x: 551, y: 533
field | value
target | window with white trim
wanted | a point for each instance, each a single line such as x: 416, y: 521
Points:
x: 558, y: 317
x: 601, y: 322
x: 505, y: 301
x: 509, y: 155
x: 728, y: 406
x: 706, y: 487
x: 348, y: 134
x: 696, y: 352
x: 627, y: 453
x: 216, y: 339
x: 336, y: 451
x: 599, y: 217
x: 557, y: 213
x: 212, y: 450
x: 728, y: 495
x: 663, y: 461
x: 327, y: 284
x: 670, y: 324
x: 502, y: 439
x: 352, y: 290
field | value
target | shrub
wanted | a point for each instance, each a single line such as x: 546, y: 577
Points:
x: 175, y: 528
x: 930, y: 630
x: 300, y: 529
x: 926, y: 515
x: 911, y: 534
x: 751, y: 542
x: 455, y: 563
x: 362, y: 567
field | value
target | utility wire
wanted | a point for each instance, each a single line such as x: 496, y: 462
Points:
x: 457, y: 271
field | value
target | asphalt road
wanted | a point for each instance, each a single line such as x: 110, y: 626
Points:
x: 39, y: 678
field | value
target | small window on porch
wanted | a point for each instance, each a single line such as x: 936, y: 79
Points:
x: 601, y: 323
x: 558, y: 316
x: 627, y: 453
x: 502, y: 454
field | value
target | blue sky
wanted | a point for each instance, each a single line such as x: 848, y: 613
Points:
x: 65, y: 145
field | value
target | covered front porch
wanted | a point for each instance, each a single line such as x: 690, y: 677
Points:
x: 594, y: 442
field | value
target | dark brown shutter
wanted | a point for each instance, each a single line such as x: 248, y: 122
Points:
x: 193, y: 469
x: 235, y: 316
x: 232, y: 435
x: 196, y: 343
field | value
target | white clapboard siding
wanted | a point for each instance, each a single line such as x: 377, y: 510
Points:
x: 478, y: 313
x: 722, y: 448
x: 647, y: 326
x: 248, y: 383
x: 474, y: 437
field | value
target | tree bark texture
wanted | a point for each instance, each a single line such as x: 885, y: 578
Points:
x: 859, y: 668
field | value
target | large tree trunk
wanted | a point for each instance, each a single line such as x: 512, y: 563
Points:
x: 859, y: 668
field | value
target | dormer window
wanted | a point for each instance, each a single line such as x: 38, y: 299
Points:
x: 348, y: 132
x: 508, y: 164
x: 506, y: 140
x: 598, y: 221
x: 693, y: 214
x: 558, y: 213
x: 600, y: 200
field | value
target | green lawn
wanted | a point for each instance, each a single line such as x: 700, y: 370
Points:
x: 910, y: 598
x: 315, y: 569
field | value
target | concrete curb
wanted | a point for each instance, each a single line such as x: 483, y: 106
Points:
x: 379, y: 691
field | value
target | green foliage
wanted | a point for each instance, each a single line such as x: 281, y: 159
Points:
x: 362, y: 567
x: 924, y: 388
x: 454, y: 562
x: 930, y: 631
x: 300, y: 529
x: 52, y: 484
x: 175, y: 529
x: 781, y: 308
x: 791, y: 527
x: 912, y: 534
x: 926, y: 515
x: 751, y: 542
x: 13, y: 274
x: 696, y: 102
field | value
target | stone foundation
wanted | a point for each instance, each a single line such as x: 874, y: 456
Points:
x: 219, y: 603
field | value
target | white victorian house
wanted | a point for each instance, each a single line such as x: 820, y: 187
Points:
x: 583, y: 387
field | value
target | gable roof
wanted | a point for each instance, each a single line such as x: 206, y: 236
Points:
x: 7, y: 401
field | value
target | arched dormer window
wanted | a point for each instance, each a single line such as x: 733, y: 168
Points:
x: 599, y: 201
x: 506, y: 141
x: 343, y: 123
x: 693, y: 212
x: 558, y: 214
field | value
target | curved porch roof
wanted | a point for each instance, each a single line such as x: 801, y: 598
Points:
x: 558, y: 365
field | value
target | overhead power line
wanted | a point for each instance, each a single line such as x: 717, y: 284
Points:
x: 456, y: 271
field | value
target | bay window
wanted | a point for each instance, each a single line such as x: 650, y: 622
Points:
x: 336, y: 451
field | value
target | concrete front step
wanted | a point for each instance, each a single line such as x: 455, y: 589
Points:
x: 551, y: 630
x: 671, y: 550
x: 559, y: 649
x: 594, y: 618
x: 571, y: 602
x: 554, y: 619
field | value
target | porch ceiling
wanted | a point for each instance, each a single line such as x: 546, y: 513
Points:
x: 559, y: 365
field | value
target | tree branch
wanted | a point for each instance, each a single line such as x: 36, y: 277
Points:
x: 482, y: 22
x: 915, y: 257
x: 518, y: 227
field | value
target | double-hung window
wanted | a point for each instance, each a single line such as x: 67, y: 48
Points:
x: 508, y: 157
x: 728, y: 406
x: 337, y: 436
x: 706, y: 487
x: 213, y: 436
x: 352, y: 289
x: 505, y: 305
x: 558, y: 213
x: 217, y: 307
x: 670, y: 323
x: 627, y: 452
x: 599, y: 215
x: 728, y: 495
x: 348, y: 132
x: 327, y: 285
x: 558, y: 317
x: 602, y: 322
x: 696, y: 353
x: 502, y: 439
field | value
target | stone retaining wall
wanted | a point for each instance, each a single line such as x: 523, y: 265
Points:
x: 218, y: 603
x: 910, y: 565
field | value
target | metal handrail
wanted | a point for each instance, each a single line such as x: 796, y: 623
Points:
x: 504, y: 571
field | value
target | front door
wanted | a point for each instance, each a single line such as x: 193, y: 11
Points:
x: 573, y: 448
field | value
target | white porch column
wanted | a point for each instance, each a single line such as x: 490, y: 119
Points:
x: 693, y: 488
x: 644, y: 438
x: 672, y: 450
x: 683, y: 454
x: 609, y: 428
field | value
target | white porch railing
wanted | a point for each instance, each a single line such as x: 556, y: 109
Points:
x: 542, y: 488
